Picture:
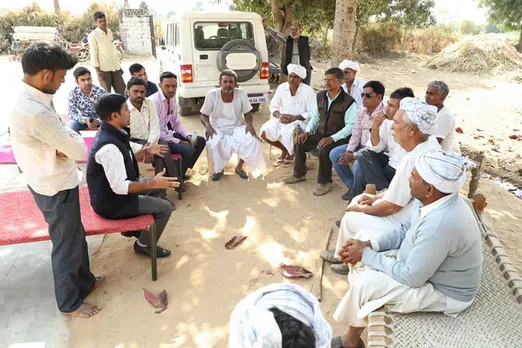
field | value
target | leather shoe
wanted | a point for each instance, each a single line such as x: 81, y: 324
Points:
x: 338, y: 223
x: 130, y: 234
x: 217, y: 176
x: 160, y: 252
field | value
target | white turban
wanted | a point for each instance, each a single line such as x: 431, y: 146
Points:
x: 445, y: 171
x: 252, y: 325
x: 297, y: 69
x: 424, y: 116
x: 350, y: 64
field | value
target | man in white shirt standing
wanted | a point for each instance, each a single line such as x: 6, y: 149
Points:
x: 47, y: 150
x: 104, y: 57
x: 436, y: 95
x: 113, y: 175
x: 291, y: 107
x: 221, y: 114
x: 352, y: 85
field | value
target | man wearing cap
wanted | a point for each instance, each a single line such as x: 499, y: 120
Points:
x: 352, y: 85
x: 291, y: 107
x: 431, y: 263
x: 370, y: 215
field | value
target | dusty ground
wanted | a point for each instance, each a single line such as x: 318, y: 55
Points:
x: 283, y: 223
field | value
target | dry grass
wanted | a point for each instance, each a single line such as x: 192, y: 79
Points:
x: 485, y: 54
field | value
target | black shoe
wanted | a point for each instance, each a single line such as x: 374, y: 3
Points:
x: 338, y: 223
x: 186, y: 177
x: 217, y: 176
x: 130, y: 234
x: 348, y: 196
x: 160, y: 252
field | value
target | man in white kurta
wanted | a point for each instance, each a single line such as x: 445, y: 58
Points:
x: 431, y: 263
x: 368, y: 216
x: 352, y: 85
x: 291, y: 107
x: 226, y: 132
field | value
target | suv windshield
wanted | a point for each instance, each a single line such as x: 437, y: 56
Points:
x: 214, y: 35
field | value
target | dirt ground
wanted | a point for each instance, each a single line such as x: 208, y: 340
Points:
x: 284, y: 223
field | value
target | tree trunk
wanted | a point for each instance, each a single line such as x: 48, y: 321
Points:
x: 354, y: 43
x: 519, y: 48
x: 404, y: 40
x: 325, y: 39
x: 56, y: 6
x: 283, y: 19
x: 344, y: 30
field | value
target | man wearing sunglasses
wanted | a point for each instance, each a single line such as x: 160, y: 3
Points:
x: 330, y: 126
x: 342, y: 156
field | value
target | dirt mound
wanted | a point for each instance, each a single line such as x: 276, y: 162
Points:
x: 484, y: 54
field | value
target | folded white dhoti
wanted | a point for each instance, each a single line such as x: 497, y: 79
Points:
x: 284, y: 133
x: 222, y: 145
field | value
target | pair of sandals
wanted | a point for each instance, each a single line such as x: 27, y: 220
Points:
x: 284, y: 162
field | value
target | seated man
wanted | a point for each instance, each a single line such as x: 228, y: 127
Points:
x: 330, y: 126
x: 112, y: 175
x: 144, y: 128
x: 438, y: 264
x: 291, y: 107
x: 413, y: 125
x: 436, y: 95
x: 81, y: 101
x: 172, y: 131
x: 225, y: 132
x: 378, y: 162
x: 279, y: 315
x: 352, y: 85
x: 137, y: 70
x: 342, y: 156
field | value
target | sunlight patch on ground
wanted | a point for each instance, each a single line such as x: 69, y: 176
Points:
x: 28, y: 345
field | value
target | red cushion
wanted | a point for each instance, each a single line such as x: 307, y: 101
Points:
x: 175, y: 156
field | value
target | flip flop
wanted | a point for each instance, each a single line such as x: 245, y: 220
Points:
x: 287, y: 162
x: 279, y: 162
x: 242, y: 174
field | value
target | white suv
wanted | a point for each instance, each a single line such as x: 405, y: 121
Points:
x: 199, y: 45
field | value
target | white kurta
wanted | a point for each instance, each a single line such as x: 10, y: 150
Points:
x: 303, y: 103
x: 357, y: 89
x: 446, y: 131
x: 227, y: 121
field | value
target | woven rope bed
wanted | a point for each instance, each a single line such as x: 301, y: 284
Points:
x: 493, y: 320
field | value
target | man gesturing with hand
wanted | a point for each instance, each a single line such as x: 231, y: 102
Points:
x: 113, y: 176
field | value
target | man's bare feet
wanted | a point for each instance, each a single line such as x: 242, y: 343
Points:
x: 86, y: 310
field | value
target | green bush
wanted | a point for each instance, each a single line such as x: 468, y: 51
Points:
x: 379, y: 38
x: 468, y: 27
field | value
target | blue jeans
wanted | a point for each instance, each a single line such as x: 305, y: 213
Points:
x: 77, y: 126
x: 344, y: 172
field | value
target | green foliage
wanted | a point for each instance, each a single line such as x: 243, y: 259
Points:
x: 468, y: 27
x: 411, y: 13
x: 377, y: 38
x: 507, y: 13
x: 493, y: 28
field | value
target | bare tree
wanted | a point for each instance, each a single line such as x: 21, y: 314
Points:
x: 344, y: 30
x: 56, y: 6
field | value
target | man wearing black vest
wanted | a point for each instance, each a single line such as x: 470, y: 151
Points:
x: 330, y: 126
x: 298, y: 52
x: 112, y: 175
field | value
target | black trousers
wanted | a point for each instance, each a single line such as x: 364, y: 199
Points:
x: 325, y: 165
x: 171, y: 169
x: 374, y: 170
x: 73, y: 280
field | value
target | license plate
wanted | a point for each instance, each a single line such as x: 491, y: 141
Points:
x: 258, y: 99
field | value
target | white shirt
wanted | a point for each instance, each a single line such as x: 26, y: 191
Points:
x: 226, y: 116
x: 303, y: 103
x: 102, y: 50
x: 446, y: 130
x: 357, y: 89
x: 37, y: 132
x: 113, y: 163
x: 144, y: 123
x: 387, y: 144
x: 399, y: 191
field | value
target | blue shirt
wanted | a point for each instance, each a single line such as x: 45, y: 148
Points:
x: 82, y: 105
x: 349, y: 118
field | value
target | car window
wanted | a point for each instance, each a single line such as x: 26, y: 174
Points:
x: 177, y: 43
x: 214, y: 35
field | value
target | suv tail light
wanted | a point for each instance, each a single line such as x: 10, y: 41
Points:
x: 264, y: 73
x: 186, y: 73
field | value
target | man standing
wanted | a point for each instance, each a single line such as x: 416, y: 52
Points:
x: 47, y: 150
x: 172, y: 131
x: 370, y: 215
x: 352, y: 85
x: 225, y: 131
x: 297, y: 51
x: 436, y: 95
x: 342, y: 156
x: 291, y: 107
x: 431, y: 263
x: 112, y: 175
x: 330, y: 126
x: 104, y: 57
x: 81, y: 102
x: 137, y: 70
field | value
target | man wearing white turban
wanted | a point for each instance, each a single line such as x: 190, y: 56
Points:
x: 431, y: 263
x: 369, y: 216
x: 291, y: 107
x: 277, y: 314
x: 352, y: 85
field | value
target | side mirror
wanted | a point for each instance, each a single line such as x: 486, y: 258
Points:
x: 163, y: 48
